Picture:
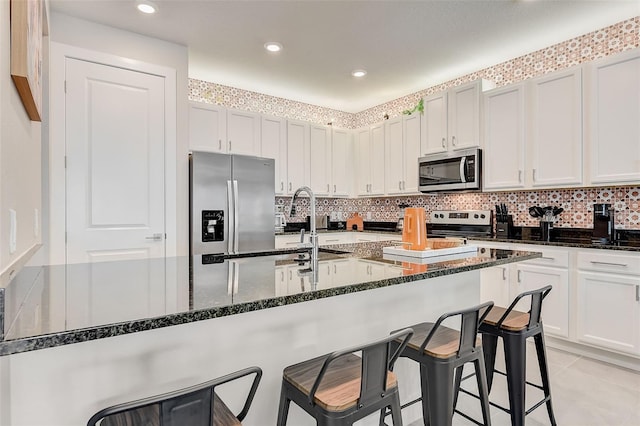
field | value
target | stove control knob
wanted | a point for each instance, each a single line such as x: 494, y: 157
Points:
x: 475, y: 216
x: 482, y: 216
x: 441, y: 216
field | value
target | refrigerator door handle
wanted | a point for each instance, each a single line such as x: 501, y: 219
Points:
x: 235, y: 216
x: 230, y: 275
x: 231, y: 224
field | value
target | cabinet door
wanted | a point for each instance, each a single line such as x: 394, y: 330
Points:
x: 243, y: 133
x: 412, y: 134
x: 464, y: 116
x: 555, y: 308
x: 207, y: 127
x: 435, y: 112
x: 614, y: 108
x: 394, y: 157
x: 608, y: 311
x: 503, y: 155
x: 320, y: 166
x: 494, y: 285
x: 274, y: 145
x: 377, y: 164
x: 297, y: 154
x: 342, y: 170
x: 556, y: 129
x: 363, y: 152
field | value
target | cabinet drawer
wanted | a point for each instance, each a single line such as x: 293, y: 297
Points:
x: 550, y: 257
x: 602, y: 261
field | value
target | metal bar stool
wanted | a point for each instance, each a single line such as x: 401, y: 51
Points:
x: 441, y: 352
x: 342, y: 387
x: 515, y: 327
x: 197, y: 405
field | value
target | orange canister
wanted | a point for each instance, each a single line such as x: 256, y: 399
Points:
x: 414, y: 233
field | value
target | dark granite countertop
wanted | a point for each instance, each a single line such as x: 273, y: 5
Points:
x: 627, y: 240
x: 258, y: 283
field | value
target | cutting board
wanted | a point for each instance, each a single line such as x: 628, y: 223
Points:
x: 399, y: 251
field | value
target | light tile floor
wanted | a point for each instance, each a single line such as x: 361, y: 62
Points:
x: 584, y: 392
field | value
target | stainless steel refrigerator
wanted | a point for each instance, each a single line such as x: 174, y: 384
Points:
x: 232, y: 203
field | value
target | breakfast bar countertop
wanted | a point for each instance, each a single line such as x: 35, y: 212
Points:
x: 53, y: 315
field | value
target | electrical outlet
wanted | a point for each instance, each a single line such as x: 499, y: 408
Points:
x: 36, y: 222
x: 13, y: 231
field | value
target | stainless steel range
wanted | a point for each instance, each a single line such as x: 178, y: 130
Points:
x: 460, y: 223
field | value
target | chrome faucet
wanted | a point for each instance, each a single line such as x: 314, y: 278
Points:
x: 313, y: 236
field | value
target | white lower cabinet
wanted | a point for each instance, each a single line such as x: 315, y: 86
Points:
x: 608, y: 313
x: 608, y: 300
x: 503, y: 283
x: 495, y: 285
x: 555, y: 312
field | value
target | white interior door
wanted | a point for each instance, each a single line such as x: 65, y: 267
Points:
x: 115, y: 163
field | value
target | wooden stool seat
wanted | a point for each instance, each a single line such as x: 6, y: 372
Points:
x: 150, y: 416
x: 444, y: 343
x: 344, y: 386
x: 515, y: 321
x: 197, y: 405
x: 340, y: 387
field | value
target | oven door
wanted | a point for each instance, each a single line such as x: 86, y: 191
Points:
x: 446, y: 172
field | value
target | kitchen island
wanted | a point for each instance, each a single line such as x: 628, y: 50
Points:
x: 241, y: 311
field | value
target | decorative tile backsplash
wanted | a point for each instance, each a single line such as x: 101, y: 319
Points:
x: 577, y: 205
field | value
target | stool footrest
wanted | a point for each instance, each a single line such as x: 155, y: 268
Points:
x: 471, y: 419
x: 505, y: 375
x: 506, y: 410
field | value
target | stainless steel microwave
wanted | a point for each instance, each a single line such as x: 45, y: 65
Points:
x: 451, y: 171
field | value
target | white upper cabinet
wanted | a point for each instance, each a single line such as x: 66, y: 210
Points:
x: 320, y: 159
x: 613, y: 119
x: 274, y: 145
x: 435, y: 113
x: 215, y: 129
x: 207, y: 127
x: 363, y: 160
x: 504, y: 132
x: 297, y: 155
x: 412, y: 127
x: 243, y: 133
x: 533, y: 133
x: 452, y: 118
x: 370, y: 160
x: 394, y: 159
x: 377, y: 160
x: 402, y: 150
x: 555, y: 140
x: 342, y: 168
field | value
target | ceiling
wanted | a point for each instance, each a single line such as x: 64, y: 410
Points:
x: 405, y: 46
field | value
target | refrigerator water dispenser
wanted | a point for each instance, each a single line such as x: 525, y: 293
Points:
x: 212, y: 225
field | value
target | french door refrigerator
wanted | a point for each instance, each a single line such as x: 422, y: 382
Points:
x: 232, y: 203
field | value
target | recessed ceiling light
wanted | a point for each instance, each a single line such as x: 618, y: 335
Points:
x: 273, y: 46
x: 146, y: 7
x: 358, y: 73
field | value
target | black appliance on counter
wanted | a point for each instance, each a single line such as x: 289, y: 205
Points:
x: 460, y: 223
x: 603, y: 224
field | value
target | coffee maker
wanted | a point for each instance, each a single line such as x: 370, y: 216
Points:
x: 603, y: 224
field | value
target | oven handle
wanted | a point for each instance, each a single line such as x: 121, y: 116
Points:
x: 463, y: 160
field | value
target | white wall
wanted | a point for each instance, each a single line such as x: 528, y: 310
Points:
x: 20, y: 160
x: 88, y: 35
